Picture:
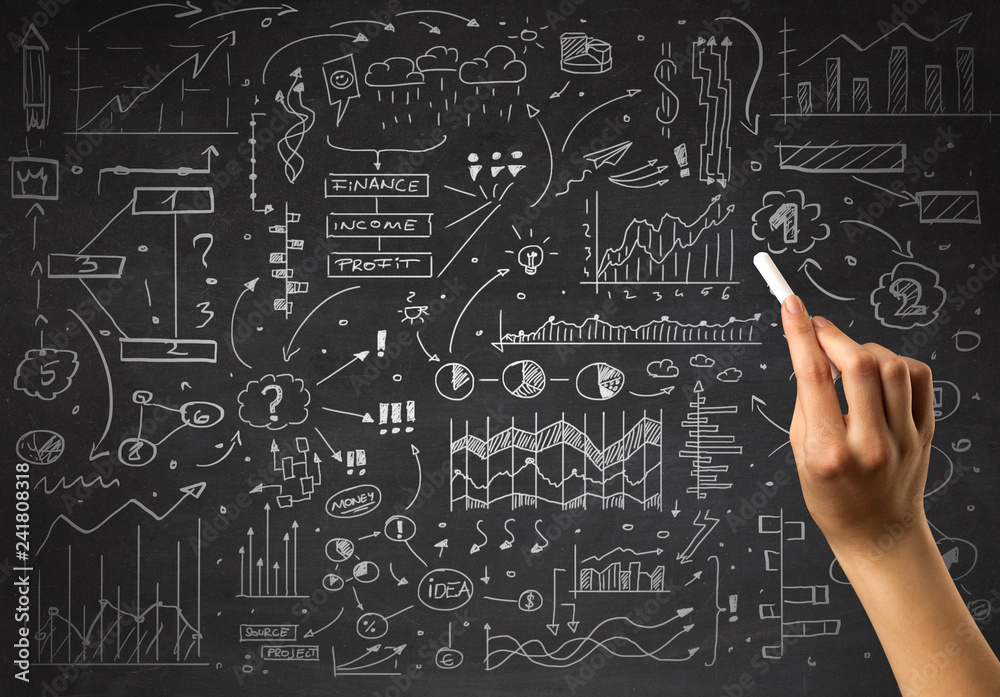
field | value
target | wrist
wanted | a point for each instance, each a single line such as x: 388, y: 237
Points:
x: 906, y: 543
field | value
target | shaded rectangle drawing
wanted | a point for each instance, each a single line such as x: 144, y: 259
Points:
x: 949, y: 207
x: 804, y: 95
x: 933, y: 101
x: 861, y: 90
x: 833, y: 85
x: 843, y: 159
x: 965, y: 64
x: 899, y: 80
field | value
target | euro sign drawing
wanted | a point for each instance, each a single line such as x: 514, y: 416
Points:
x: 341, y: 78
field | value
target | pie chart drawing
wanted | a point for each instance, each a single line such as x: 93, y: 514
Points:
x: 524, y: 379
x: 454, y: 381
x: 600, y: 382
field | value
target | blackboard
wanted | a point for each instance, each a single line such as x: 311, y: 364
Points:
x: 416, y: 347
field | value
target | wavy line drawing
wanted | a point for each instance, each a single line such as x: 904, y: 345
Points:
x: 79, y: 481
x: 290, y: 145
x: 576, y: 649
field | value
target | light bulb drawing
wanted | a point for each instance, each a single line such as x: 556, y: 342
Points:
x: 530, y: 258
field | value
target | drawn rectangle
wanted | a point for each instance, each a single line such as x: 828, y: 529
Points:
x: 173, y: 200
x: 844, y: 159
x: 268, y: 632
x: 807, y: 628
x: 380, y: 265
x: 85, y: 266
x: 34, y: 178
x: 290, y: 652
x: 378, y: 225
x: 168, y: 350
x: 949, y: 207
x: 33, y: 66
x: 376, y: 186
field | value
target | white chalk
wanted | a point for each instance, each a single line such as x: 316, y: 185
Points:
x: 781, y: 290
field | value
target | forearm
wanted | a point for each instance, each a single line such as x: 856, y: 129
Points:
x: 928, y: 635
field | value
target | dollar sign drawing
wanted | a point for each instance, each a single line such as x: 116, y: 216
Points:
x: 530, y: 602
x: 669, y: 107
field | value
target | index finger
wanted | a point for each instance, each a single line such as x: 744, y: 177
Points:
x: 816, y: 391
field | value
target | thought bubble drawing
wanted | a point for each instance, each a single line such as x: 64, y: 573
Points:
x: 908, y: 296
x: 45, y: 373
x: 785, y: 221
x: 663, y: 369
x: 499, y: 65
x: 274, y: 402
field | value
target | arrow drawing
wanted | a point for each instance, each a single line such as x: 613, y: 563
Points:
x: 357, y: 357
x: 312, y: 633
x: 378, y: 152
x: 286, y: 351
x: 752, y: 125
x: 630, y: 93
x: 367, y: 418
x: 237, y: 439
x: 755, y: 405
x: 805, y: 268
x: 499, y: 273
x: 248, y: 287
x: 420, y: 476
x: 192, y: 490
x: 111, y: 391
x: 190, y: 9
x: 533, y: 114
x: 284, y: 10
x: 906, y: 254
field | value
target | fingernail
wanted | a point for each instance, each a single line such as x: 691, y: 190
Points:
x: 794, y: 305
x: 820, y: 322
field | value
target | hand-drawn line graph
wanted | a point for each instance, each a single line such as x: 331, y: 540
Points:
x: 774, y: 561
x: 98, y: 626
x: 671, y: 252
x: 118, y: 110
x: 595, y: 331
x: 558, y: 464
x: 705, y: 443
x: 825, y: 86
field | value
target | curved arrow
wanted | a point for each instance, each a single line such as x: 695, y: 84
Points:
x: 907, y: 254
x: 312, y: 633
x: 111, y: 390
x: 285, y: 9
x: 757, y: 402
x: 805, y: 268
x: 469, y: 22
x: 236, y: 439
x: 420, y: 476
x: 248, y: 287
x: 286, y: 351
x: 189, y: 10
x: 753, y: 85
x: 499, y: 273
x: 630, y: 93
x: 533, y: 114
x: 430, y: 358
x: 263, y: 74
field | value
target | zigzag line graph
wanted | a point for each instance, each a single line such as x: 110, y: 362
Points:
x: 558, y: 464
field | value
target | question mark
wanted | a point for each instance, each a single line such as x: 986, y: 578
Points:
x: 411, y: 296
x: 273, y: 406
x: 211, y: 241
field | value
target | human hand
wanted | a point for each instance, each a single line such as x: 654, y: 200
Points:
x: 862, y: 473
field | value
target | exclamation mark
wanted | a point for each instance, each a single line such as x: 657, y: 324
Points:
x: 399, y: 528
x: 411, y: 414
x: 681, y: 153
x: 381, y: 343
x: 732, y: 607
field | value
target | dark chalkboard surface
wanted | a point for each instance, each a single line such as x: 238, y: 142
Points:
x: 401, y: 347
